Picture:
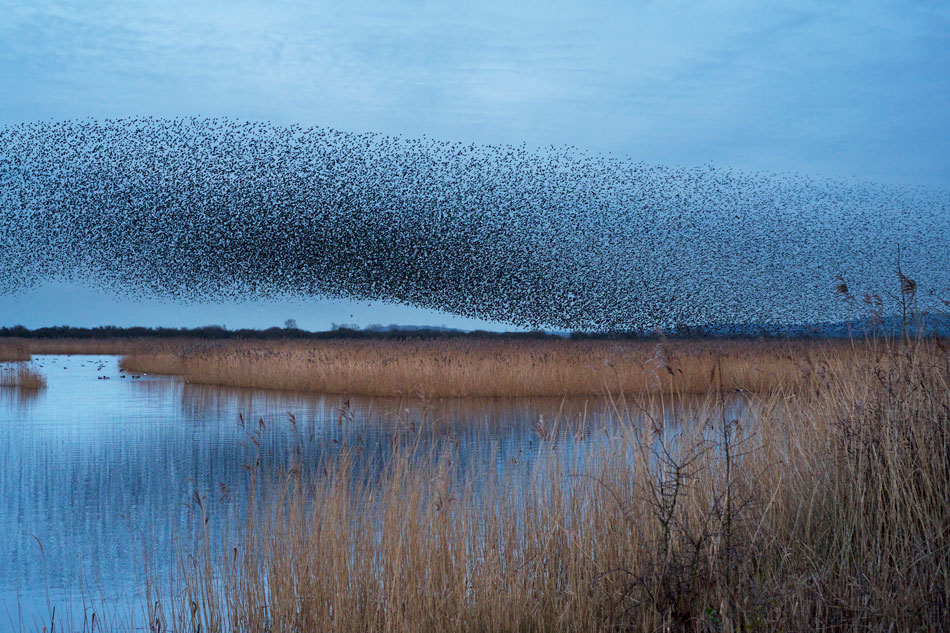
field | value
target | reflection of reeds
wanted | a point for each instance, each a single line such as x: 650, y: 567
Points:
x: 23, y: 377
x: 827, y: 511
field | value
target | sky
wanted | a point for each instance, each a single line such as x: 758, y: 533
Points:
x: 844, y: 89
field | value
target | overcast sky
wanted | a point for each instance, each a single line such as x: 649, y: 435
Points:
x: 832, y: 89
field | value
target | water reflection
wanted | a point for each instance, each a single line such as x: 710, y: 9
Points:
x: 18, y: 397
x: 100, y: 467
x: 12, y: 392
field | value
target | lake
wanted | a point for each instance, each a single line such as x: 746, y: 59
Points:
x: 101, y: 467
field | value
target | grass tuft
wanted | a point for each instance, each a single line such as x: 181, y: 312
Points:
x: 22, y: 377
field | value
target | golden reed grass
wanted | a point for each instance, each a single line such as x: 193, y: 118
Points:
x: 104, y: 347
x: 473, y: 367
x: 824, y: 510
x: 13, y: 351
x: 22, y: 377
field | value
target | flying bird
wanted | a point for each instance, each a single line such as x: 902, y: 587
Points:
x: 209, y: 208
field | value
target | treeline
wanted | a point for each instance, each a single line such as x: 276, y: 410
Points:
x: 273, y: 333
x: 855, y: 329
x: 341, y: 332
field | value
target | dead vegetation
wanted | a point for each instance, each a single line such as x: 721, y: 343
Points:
x: 827, y: 509
x: 469, y: 368
x: 464, y: 367
x: 22, y: 377
x: 13, y: 351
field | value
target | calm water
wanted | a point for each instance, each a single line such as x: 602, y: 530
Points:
x: 94, y: 471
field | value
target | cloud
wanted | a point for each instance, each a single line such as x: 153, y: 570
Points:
x: 783, y: 86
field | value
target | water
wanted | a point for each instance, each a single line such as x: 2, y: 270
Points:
x: 98, y: 468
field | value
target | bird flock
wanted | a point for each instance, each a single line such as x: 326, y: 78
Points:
x: 203, y: 208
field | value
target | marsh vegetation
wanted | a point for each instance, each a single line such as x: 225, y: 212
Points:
x: 22, y: 376
x: 466, y: 368
x: 822, y: 503
x: 472, y: 367
x: 13, y: 351
x: 828, y: 509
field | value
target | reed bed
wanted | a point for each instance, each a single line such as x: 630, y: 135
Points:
x: 827, y: 509
x: 100, y: 347
x: 13, y: 351
x: 22, y: 377
x: 492, y: 368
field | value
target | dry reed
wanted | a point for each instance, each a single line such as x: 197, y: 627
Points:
x: 471, y: 368
x: 828, y: 509
x: 22, y: 377
x: 13, y: 351
x: 106, y: 346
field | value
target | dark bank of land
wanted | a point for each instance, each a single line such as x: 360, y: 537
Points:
x: 856, y: 328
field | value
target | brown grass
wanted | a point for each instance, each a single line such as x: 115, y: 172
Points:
x: 467, y: 368
x: 22, y: 377
x: 13, y: 351
x: 826, y: 510
x: 111, y: 346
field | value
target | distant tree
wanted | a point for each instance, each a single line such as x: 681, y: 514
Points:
x: 290, y: 324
